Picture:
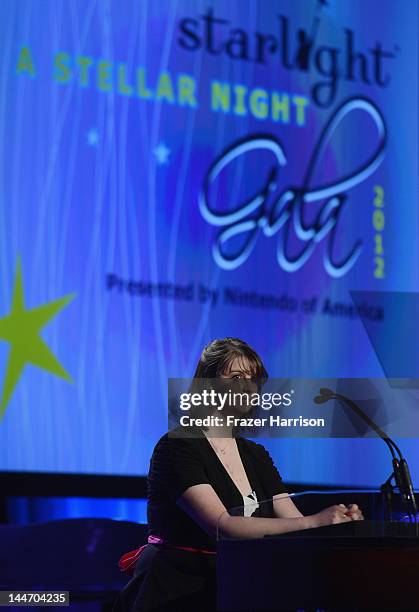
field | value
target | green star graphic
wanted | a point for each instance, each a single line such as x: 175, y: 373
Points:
x: 21, y: 329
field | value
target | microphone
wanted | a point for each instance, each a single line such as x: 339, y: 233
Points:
x: 401, y: 471
x: 325, y: 396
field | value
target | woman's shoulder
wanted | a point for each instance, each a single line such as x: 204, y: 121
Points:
x: 174, y: 439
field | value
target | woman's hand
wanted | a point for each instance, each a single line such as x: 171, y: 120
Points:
x: 355, y: 512
x: 332, y: 516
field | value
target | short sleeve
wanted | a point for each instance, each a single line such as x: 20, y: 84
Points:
x: 268, y: 472
x: 175, y: 466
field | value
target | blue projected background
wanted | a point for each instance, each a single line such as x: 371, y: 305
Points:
x: 191, y: 170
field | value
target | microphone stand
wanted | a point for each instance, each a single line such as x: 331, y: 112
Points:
x: 400, y: 473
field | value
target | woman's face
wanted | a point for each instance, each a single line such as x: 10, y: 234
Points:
x: 239, y: 372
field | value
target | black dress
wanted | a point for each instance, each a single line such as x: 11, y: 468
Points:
x: 173, y: 580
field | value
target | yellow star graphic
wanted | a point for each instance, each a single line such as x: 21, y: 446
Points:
x: 21, y: 329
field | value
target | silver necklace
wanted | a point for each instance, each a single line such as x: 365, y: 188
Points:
x: 220, y: 450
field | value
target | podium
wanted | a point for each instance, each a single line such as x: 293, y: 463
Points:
x: 368, y: 564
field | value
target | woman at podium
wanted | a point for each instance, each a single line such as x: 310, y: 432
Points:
x: 192, y: 482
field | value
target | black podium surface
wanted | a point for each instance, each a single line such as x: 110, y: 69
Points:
x: 359, y: 565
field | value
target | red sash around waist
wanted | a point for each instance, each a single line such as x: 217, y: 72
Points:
x: 127, y: 562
